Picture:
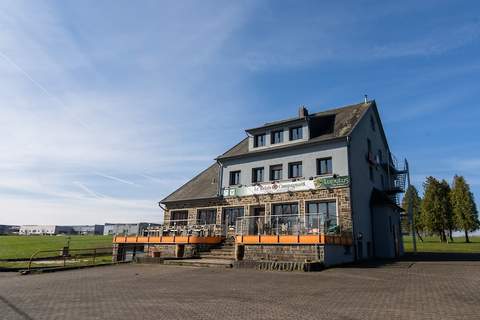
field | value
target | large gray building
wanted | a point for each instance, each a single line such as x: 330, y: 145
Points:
x: 319, y: 187
x: 8, y: 229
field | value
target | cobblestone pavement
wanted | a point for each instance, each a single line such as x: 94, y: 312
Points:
x: 402, y: 290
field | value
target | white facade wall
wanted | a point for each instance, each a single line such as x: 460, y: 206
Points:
x: 362, y: 186
x: 308, y: 155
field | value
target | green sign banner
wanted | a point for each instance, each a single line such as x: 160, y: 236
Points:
x: 332, y: 182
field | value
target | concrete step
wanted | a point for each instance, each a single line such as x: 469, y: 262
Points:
x: 222, y: 257
x: 223, y: 250
x: 209, y: 263
x: 218, y: 253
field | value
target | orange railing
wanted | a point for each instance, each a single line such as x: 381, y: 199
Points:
x: 294, y: 239
x: 168, y: 239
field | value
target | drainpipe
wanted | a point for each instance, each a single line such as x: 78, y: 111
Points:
x: 354, y: 236
x: 220, y: 178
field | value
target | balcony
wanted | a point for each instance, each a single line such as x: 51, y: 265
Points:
x: 291, y: 229
x: 178, y: 232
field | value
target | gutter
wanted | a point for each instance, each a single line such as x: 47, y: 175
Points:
x: 220, y: 179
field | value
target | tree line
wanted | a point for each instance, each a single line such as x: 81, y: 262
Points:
x: 443, y: 209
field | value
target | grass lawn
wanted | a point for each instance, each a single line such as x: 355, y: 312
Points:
x: 24, y: 246
x: 433, y: 244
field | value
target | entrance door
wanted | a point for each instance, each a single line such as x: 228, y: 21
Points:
x: 257, y: 223
x: 230, y: 218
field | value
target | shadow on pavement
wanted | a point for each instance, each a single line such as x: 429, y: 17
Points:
x: 19, y: 311
x: 440, y: 256
x: 409, y: 259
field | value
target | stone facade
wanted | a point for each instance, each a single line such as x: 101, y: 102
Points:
x: 294, y: 253
x: 176, y: 250
x: 341, y: 195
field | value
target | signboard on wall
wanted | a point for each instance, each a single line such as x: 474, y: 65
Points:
x: 287, y: 186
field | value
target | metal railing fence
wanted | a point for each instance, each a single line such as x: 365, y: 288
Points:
x: 186, y: 227
x: 288, y: 224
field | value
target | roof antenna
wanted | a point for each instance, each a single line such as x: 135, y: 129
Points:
x: 366, y: 98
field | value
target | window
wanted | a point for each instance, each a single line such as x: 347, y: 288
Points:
x: 230, y: 215
x: 285, y: 209
x: 179, y: 218
x: 283, y: 217
x: 295, y: 169
x: 234, y: 178
x: 322, y: 214
x: 276, y: 137
x: 206, y: 216
x: 257, y: 174
x: 380, y: 156
x: 370, y: 172
x: 372, y: 123
x: 324, y: 166
x: 259, y: 140
x: 369, y: 146
x: 276, y: 172
x: 295, y: 133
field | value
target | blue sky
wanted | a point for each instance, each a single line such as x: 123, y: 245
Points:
x: 108, y: 106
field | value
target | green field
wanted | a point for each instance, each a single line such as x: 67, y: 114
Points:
x: 433, y: 244
x: 15, y: 247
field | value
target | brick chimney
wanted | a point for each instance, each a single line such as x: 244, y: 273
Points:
x: 302, y: 112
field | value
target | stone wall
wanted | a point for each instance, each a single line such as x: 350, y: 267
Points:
x: 342, y: 195
x: 170, y: 250
x: 292, y: 253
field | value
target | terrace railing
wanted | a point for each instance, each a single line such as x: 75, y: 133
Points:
x: 310, y: 224
x: 186, y: 227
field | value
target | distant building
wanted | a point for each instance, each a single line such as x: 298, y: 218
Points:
x: 127, y: 228
x: 44, y: 230
x: 88, y: 229
x: 7, y: 229
x: 54, y: 229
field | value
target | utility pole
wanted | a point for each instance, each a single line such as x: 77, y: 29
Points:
x: 410, y: 212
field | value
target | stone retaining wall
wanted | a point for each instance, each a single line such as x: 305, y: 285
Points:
x: 291, y: 253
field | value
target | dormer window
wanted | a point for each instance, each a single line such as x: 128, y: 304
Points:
x: 295, y: 133
x: 276, y: 136
x: 259, y: 140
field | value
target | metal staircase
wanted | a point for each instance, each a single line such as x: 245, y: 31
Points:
x: 398, y: 178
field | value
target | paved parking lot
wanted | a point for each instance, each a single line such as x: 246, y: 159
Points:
x: 403, y: 290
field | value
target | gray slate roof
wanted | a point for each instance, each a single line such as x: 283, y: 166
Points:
x: 345, y: 120
x: 205, y: 184
x: 202, y: 186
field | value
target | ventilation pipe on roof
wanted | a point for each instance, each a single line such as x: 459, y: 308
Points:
x: 302, y: 112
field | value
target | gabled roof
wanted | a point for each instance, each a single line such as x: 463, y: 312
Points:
x: 346, y: 118
x: 202, y: 186
x: 205, y: 185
